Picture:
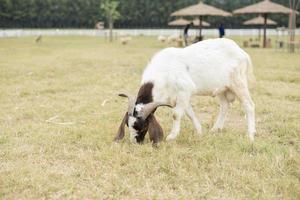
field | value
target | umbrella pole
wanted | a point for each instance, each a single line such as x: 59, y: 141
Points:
x: 265, y: 30
x: 200, y: 28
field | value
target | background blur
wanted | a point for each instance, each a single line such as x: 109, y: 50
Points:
x: 133, y: 13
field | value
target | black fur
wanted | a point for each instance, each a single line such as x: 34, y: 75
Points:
x: 144, y: 96
x: 142, y: 125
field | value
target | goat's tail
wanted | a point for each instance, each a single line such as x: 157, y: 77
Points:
x: 250, y: 74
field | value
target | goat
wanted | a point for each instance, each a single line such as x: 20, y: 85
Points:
x: 125, y: 40
x: 172, y: 38
x: 161, y: 38
x: 214, y: 67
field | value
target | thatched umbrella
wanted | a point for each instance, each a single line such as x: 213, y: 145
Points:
x: 200, y: 10
x: 264, y: 7
x: 196, y: 22
x: 184, y: 22
x: 179, y: 22
x: 259, y: 21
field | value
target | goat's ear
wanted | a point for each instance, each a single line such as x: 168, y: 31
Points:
x: 121, y: 131
x: 156, y: 133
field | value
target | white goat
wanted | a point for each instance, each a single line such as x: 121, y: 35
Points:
x: 215, y: 67
x: 161, y: 38
x: 172, y: 38
x: 125, y: 40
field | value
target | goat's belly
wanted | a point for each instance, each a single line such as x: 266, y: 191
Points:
x: 211, y: 87
x: 213, y: 92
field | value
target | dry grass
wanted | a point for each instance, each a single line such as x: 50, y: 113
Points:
x: 59, y: 113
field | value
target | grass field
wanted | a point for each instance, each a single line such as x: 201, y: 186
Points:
x: 59, y: 113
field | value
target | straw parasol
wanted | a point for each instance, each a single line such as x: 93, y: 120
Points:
x: 259, y: 21
x: 179, y: 22
x: 200, y: 10
x: 264, y: 7
x: 184, y: 22
x: 196, y: 22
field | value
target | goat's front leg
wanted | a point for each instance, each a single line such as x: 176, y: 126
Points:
x: 224, y: 106
x: 178, y: 111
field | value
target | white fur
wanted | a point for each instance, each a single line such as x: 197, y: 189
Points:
x: 139, y: 107
x: 173, y: 38
x: 125, y: 39
x: 215, y: 67
x: 161, y: 38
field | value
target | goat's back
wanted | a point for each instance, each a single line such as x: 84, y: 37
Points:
x: 203, y: 67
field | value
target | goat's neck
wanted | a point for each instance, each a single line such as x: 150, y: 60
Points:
x: 145, y: 94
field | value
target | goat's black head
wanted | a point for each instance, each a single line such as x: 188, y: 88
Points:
x: 140, y: 118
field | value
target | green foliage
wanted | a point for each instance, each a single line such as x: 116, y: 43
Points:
x: 135, y: 13
x: 110, y: 9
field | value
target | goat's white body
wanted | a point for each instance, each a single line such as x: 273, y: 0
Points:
x: 203, y: 68
x: 211, y: 67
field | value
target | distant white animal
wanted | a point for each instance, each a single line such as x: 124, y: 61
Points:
x: 125, y: 39
x: 172, y: 38
x: 161, y: 38
x: 214, y: 67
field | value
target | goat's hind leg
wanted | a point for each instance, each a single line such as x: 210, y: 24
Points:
x: 224, y: 107
x: 191, y: 114
x: 242, y: 92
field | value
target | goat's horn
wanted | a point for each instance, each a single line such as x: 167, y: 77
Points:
x: 131, y: 102
x: 150, y: 107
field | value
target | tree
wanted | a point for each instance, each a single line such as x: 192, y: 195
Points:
x: 292, y: 24
x: 110, y: 8
x: 135, y: 13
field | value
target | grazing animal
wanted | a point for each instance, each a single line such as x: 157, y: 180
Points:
x: 172, y: 39
x: 214, y: 67
x: 161, y: 38
x: 125, y: 40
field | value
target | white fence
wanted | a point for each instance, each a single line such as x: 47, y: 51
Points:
x: 132, y: 32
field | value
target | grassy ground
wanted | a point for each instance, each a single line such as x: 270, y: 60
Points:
x: 59, y: 113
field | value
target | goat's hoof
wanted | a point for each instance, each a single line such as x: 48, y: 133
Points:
x: 251, y: 137
x: 199, y: 132
x: 171, y: 137
x: 215, y: 130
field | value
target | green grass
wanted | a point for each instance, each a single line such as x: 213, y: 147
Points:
x: 56, y: 133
